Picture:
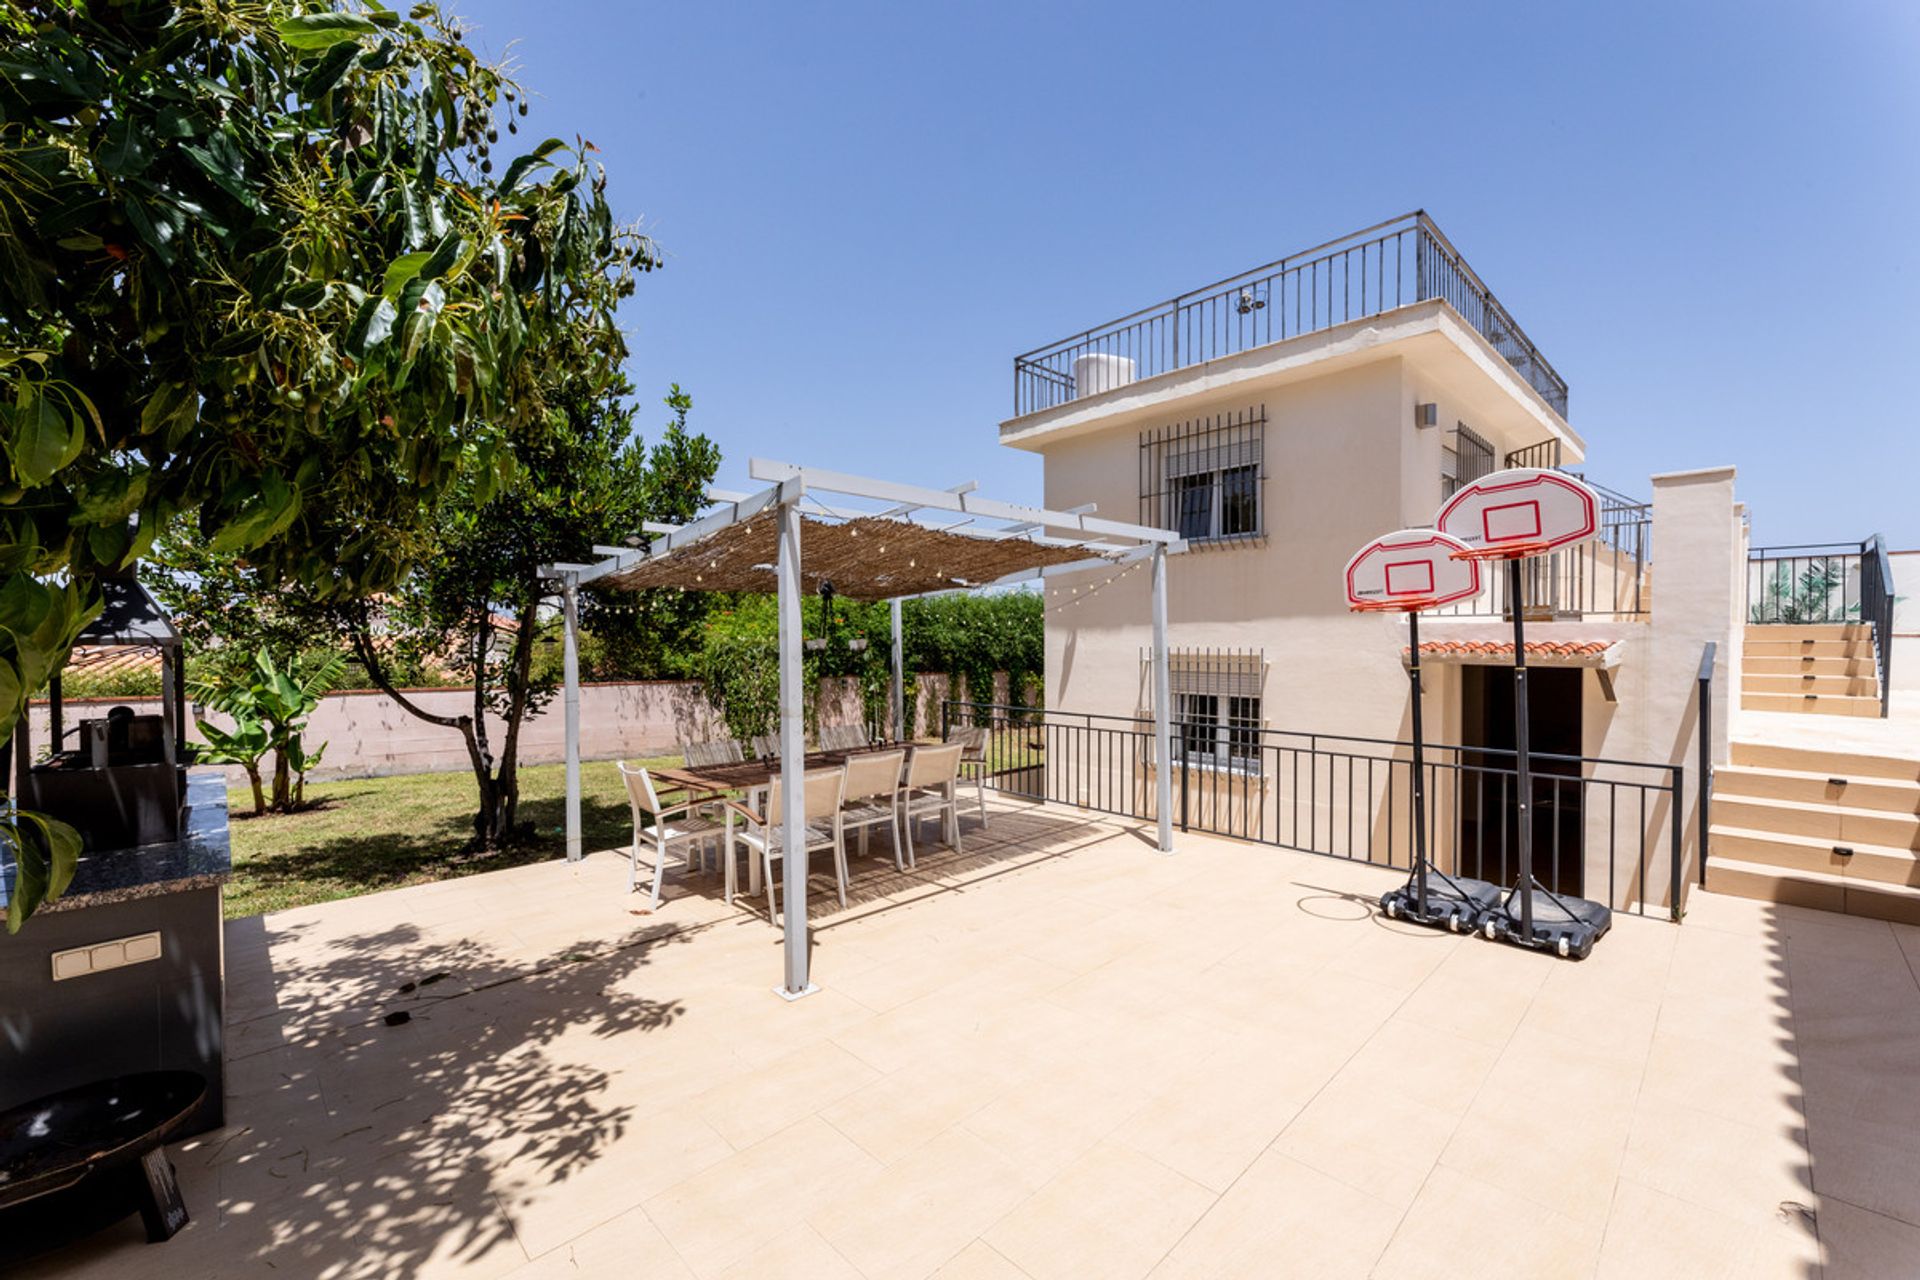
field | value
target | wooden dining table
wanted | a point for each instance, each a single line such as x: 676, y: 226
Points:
x: 754, y: 777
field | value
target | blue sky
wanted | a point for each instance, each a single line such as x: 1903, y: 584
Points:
x: 1706, y: 215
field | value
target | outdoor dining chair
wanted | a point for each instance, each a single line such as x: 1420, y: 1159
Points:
x: 680, y: 823
x: 766, y: 746
x: 764, y: 832
x: 844, y: 737
x: 872, y: 797
x: 973, y: 763
x: 932, y: 791
x: 716, y: 751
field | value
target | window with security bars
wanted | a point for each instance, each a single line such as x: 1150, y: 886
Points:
x: 1464, y: 459
x: 1216, y: 705
x: 1206, y: 479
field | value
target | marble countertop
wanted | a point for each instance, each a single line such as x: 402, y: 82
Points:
x: 201, y: 858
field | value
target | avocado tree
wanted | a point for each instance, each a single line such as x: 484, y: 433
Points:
x: 259, y: 280
x: 473, y: 606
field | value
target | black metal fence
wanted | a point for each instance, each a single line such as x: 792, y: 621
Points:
x: 1606, y: 829
x: 1828, y: 582
x: 1392, y: 264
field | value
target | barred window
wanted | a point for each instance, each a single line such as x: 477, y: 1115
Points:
x: 1463, y: 460
x: 1216, y: 705
x: 1206, y: 479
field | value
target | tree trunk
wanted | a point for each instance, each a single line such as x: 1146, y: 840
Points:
x: 259, y: 796
x: 282, y: 783
x: 360, y: 634
x: 519, y: 692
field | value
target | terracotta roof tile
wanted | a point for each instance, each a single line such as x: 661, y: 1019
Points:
x: 1504, y: 648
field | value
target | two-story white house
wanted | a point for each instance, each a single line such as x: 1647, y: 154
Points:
x: 1278, y: 420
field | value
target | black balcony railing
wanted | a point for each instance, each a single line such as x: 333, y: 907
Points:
x: 1607, y: 829
x: 1828, y: 582
x: 1393, y: 264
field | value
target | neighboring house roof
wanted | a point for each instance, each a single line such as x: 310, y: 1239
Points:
x: 113, y: 659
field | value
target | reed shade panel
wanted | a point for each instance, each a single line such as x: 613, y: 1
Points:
x: 869, y: 558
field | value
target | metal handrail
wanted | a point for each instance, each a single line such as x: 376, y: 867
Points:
x: 1394, y: 263
x: 1708, y: 655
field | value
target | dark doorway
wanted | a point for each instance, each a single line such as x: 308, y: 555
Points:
x: 1489, y: 808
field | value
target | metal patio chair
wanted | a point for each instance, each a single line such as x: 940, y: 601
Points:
x: 764, y: 832
x: 931, y: 790
x: 680, y: 823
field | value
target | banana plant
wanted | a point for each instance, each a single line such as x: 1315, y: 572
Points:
x: 269, y: 707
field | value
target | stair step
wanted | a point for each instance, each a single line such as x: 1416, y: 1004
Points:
x: 1825, y: 761
x: 1810, y: 682
x: 1800, y: 666
x: 1836, y: 788
x: 1877, y: 864
x: 1856, y: 649
x: 1826, y: 704
x: 1820, y: 891
x: 1798, y: 631
x: 1835, y: 823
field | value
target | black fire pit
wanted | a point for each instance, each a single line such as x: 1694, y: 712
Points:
x: 104, y: 1144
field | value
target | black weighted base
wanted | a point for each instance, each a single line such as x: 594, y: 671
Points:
x: 157, y: 1194
x: 1564, y: 925
x: 1453, y: 902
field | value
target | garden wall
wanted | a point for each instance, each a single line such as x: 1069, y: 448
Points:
x: 368, y: 734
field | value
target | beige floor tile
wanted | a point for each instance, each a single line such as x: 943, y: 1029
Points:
x: 889, y: 1117
x: 1859, y: 1244
x: 1508, y: 1235
x: 728, y: 1210
x: 1740, y: 1171
x: 796, y: 1254
x: 628, y: 1245
x: 1284, y: 1218
x: 978, y: 1261
x: 1112, y: 1213
x: 909, y: 1218
x: 746, y: 1108
x: 1654, y: 1236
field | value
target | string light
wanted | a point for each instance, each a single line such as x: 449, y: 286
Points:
x: 1078, y: 596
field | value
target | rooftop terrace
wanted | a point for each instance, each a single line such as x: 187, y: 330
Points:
x: 1061, y: 1054
x: 1392, y: 264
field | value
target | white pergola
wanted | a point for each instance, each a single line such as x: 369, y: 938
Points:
x: 720, y: 551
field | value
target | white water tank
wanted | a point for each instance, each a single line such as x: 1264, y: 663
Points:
x: 1098, y: 372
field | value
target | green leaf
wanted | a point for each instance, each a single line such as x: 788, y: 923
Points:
x: 124, y: 149
x: 157, y: 232
x: 523, y: 164
x: 329, y: 71
x: 402, y: 271
x: 323, y: 30
x: 372, y: 326
x: 170, y: 404
x: 44, y: 439
x: 307, y: 296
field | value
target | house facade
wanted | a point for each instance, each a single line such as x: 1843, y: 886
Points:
x: 1280, y: 419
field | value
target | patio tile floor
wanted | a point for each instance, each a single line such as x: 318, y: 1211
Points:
x: 1057, y: 1055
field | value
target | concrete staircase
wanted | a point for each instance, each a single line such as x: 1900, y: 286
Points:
x: 1817, y: 668
x: 1815, y: 827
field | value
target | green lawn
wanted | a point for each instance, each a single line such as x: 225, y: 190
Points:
x: 381, y: 833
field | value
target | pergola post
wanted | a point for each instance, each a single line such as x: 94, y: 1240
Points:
x: 570, y: 668
x: 1162, y: 703
x: 899, y: 692
x: 793, y: 759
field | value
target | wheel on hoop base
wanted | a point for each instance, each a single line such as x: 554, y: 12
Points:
x: 1491, y: 929
x: 1564, y: 947
x: 1393, y: 908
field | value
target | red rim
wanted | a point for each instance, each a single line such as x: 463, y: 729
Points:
x: 1390, y: 606
x: 1504, y: 551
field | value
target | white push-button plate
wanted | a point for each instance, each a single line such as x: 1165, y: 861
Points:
x: 77, y: 962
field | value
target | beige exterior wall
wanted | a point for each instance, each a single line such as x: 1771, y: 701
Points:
x: 1344, y: 463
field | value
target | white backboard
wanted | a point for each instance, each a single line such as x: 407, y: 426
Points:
x: 1411, y: 569
x: 1523, y: 512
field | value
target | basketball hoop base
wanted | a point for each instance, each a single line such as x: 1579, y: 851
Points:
x: 1562, y: 924
x: 1504, y: 551
x: 1454, y: 903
